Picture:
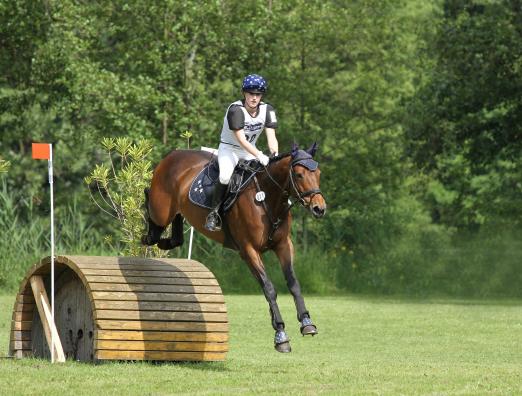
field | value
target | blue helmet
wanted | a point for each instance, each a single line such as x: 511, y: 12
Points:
x: 254, y: 83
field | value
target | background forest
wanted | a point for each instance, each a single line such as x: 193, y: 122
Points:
x: 416, y: 105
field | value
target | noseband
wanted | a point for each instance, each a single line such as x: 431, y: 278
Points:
x: 301, y: 195
x: 287, y: 191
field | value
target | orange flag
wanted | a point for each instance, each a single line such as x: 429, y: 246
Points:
x: 41, y: 151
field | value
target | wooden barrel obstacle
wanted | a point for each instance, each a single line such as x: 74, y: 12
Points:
x: 122, y: 308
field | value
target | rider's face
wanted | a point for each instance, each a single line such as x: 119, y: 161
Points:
x: 252, y: 99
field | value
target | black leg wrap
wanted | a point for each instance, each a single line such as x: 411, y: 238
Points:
x: 153, y: 234
x: 168, y: 244
x: 307, y: 326
x: 282, y: 342
x: 176, y: 238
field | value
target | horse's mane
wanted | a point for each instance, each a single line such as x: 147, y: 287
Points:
x: 279, y: 157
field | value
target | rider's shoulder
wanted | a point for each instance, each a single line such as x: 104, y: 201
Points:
x: 235, y: 107
x: 237, y: 103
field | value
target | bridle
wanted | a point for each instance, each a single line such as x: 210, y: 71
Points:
x: 301, y: 195
x: 290, y: 188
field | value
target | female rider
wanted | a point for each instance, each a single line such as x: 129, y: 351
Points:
x: 243, y: 124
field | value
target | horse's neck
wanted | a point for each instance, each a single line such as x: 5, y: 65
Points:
x: 279, y: 173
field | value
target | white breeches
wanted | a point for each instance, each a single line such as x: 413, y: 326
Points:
x: 228, y: 157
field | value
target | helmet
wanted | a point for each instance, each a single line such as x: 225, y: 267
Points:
x: 254, y: 83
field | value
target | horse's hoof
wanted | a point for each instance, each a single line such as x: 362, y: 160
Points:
x: 284, y: 347
x: 307, y: 327
x: 282, y: 342
x: 146, y: 240
x: 309, y: 330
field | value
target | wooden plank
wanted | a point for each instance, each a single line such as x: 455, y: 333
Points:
x: 155, y: 274
x: 161, y: 315
x: 44, y: 310
x: 132, y: 335
x: 161, y: 346
x: 20, y: 335
x: 157, y: 355
x: 123, y: 287
x: 20, y: 345
x: 26, y: 325
x: 79, y: 260
x: 25, y: 298
x: 151, y: 280
x: 23, y: 354
x: 25, y: 307
x: 22, y: 316
x: 106, y: 324
x: 160, y: 306
x: 145, y: 266
x: 140, y: 296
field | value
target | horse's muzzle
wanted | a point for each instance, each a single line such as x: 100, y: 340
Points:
x: 318, y: 210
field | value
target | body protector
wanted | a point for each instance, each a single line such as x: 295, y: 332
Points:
x: 253, y: 125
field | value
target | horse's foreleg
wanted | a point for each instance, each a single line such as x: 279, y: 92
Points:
x: 285, y: 253
x: 176, y: 237
x: 154, y: 231
x: 253, y: 258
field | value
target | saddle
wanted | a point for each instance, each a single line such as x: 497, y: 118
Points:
x: 203, y: 185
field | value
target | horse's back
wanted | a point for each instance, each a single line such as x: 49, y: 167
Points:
x: 171, y: 180
x: 177, y: 165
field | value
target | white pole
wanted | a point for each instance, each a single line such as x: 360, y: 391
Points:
x: 52, y: 244
x: 190, y: 242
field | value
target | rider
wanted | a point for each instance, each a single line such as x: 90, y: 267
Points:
x: 243, y: 123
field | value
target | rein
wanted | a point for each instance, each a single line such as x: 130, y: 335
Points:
x: 299, y: 195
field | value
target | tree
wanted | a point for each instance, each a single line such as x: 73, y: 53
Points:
x: 465, y: 126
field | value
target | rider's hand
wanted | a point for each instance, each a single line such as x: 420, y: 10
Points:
x: 262, y: 158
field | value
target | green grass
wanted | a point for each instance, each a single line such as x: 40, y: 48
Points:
x: 365, y: 346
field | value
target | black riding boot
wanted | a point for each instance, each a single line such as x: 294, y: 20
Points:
x: 213, y: 222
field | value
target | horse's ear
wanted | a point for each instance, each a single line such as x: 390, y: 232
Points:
x: 312, y: 150
x: 295, y: 148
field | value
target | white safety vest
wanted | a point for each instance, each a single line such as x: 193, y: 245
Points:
x: 253, y: 125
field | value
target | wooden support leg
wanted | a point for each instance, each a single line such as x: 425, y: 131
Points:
x: 44, y: 310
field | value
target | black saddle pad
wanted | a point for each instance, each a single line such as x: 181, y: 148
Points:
x: 202, y: 186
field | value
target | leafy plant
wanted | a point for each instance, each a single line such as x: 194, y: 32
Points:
x: 4, y: 166
x: 116, y: 187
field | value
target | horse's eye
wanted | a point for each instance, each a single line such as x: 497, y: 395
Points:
x: 299, y: 175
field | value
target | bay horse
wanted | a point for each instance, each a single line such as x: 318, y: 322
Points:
x: 255, y: 226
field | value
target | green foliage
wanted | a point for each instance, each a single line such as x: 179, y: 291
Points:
x: 465, y: 123
x: 117, y: 186
x: 26, y: 236
x: 415, y: 105
x: 4, y: 166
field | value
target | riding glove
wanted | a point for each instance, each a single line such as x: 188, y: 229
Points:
x: 262, y: 158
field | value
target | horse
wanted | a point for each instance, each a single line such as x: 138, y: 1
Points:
x: 256, y: 223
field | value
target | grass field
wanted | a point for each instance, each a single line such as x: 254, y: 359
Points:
x: 365, y: 346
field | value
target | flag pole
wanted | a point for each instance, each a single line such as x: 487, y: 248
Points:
x: 52, y: 244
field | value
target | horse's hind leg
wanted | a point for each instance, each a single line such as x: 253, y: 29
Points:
x: 154, y: 231
x: 176, y: 237
x: 285, y: 253
x: 253, y: 258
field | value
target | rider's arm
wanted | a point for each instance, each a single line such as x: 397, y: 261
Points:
x: 240, y: 136
x: 270, y: 128
x: 273, y: 146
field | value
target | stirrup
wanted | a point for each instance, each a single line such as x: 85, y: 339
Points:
x: 213, y: 221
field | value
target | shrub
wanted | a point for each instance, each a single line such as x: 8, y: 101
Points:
x: 116, y: 187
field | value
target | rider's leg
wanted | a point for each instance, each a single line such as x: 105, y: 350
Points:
x: 227, y: 161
